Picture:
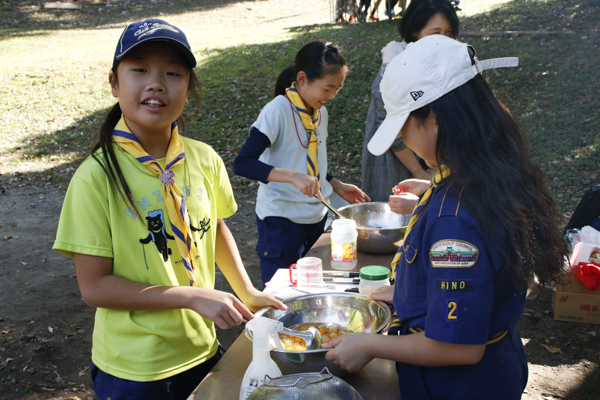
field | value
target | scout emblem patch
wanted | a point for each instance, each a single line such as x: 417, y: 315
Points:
x: 449, y: 253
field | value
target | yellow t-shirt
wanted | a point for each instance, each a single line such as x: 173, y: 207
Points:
x: 148, y: 345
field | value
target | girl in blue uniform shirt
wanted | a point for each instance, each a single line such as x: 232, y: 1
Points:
x: 143, y: 219
x: 286, y: 152
x: 482, y: 230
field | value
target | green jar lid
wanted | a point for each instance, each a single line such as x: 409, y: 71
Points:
x: 374, y: 273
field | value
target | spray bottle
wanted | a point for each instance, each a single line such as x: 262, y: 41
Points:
x: 264, y: 338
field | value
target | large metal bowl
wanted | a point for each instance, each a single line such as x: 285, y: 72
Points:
x: 380, y: 230
x: 352, y: 311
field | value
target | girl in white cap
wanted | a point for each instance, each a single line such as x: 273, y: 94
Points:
x: 481, y: 232
x: 143, y: 219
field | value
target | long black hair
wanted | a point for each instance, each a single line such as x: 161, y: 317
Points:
x: 317, y: 59
x: 503, y: 187
x: 104, y: 152
x: 419, y: 12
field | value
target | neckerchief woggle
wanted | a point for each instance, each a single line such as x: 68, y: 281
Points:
x: 310, y: 123
x: 174, y: 199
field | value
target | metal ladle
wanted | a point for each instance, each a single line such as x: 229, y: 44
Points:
x: 333, y: 210
x: 312, y: 336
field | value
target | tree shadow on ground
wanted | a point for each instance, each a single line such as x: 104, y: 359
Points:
x: 550, y: 92
x: 555, y: 85
x: 29, y: 18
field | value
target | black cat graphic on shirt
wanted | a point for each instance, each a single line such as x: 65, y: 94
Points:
x: 158, y: 234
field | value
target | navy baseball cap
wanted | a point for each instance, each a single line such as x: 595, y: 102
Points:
x: 148, y: 30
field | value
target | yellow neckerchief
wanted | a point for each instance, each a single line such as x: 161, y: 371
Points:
x: 311, y: 124
x: 174, y: 200
x: 443, y: 173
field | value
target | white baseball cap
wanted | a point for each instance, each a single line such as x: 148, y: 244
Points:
x: 428, y: 69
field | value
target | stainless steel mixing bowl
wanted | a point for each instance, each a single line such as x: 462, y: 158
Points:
x: 352, y: 311
x: 380, y: 231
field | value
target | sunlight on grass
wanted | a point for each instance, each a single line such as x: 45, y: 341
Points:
x: 55, y: 68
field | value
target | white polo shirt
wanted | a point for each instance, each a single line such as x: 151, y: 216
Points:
x: 288, y: 137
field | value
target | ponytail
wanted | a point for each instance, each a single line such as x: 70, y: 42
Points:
x: 316, y: 59
x: 284, y: 80
x: 108, y: 161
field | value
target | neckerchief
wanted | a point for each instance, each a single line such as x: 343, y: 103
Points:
x: 174, y: 199
x: 443, y: 173
x: 311, y: 124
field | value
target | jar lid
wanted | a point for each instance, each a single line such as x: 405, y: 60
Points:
x: 344, y: 223
x: 374, y: 273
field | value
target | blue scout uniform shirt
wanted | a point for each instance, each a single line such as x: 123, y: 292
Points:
x: 451, y: 283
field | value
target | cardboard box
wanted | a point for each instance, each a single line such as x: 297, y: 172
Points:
x: 574, y: 302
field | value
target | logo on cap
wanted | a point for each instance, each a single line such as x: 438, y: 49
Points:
x: 416, y: 95
x: 149, y: 29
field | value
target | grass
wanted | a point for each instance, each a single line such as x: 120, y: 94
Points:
x: 55, y: 91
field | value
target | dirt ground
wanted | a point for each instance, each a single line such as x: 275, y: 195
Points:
x: 46, y: 328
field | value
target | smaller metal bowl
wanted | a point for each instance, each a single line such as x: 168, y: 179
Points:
x: 380, y: 230
x: 352, y: 311
x: 306, y: 386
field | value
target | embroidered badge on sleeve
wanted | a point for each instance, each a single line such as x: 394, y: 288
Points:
x: 451, y: 310
x: 452, y: 285
x: 450, y: 253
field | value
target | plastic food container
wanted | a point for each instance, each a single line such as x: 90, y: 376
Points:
x: 343, y: 244
x: 373, y: 277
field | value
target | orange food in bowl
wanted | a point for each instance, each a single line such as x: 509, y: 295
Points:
x: 328, y: 332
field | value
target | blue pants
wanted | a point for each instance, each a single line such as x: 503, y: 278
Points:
x: 500, y: 375
x: 177, y: 387
x: 282, y: 242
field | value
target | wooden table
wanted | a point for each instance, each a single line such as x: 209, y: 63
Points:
x: 376, y: 381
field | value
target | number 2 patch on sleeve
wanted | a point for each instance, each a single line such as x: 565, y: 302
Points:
x: 451, y: 310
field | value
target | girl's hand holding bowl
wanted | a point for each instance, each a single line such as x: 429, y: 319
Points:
x: 350, y: 351
x: 224, y: 309
x: 256, y: 300
x: 384, y: 293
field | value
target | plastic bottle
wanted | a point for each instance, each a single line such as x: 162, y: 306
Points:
x: 373, y: 277
x: 343, y: 244
x: 264, y: 338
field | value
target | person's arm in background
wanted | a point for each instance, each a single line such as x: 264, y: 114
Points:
x: 410, y: 161
x: 351, y: 193
x: 406, y: 195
